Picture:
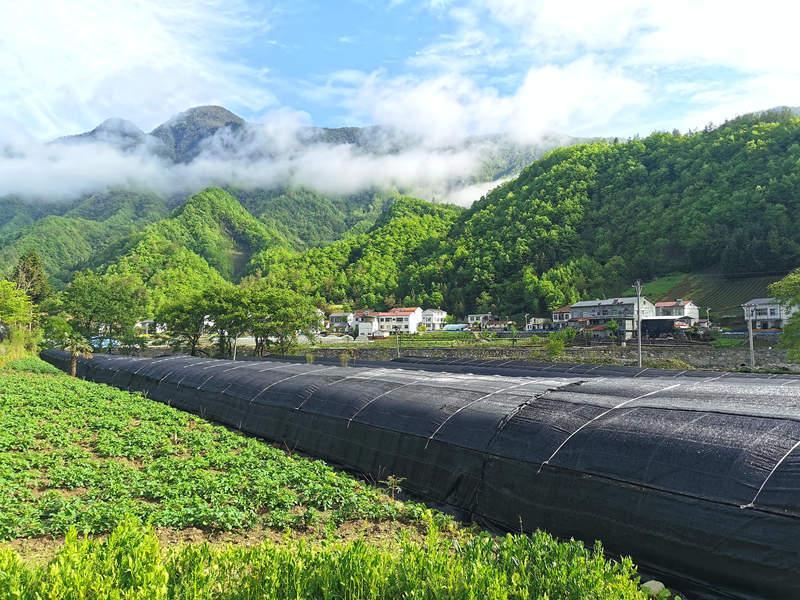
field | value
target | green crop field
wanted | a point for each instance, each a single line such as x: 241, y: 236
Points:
x: 131, y: 498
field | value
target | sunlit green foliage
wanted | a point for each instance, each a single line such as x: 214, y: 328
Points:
x: 364, y: 269
x: 132, y: 564
x: 67, y: 239
x: 105, y: 307
x: 787, y: 291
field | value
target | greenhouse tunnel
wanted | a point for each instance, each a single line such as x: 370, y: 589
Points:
x: 695, y: 475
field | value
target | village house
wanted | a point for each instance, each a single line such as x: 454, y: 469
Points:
x: 400, y: 320
x: 562, y: 316
x: 536, y: 324
x: 434, y: 318
x: 479, y: 320
x: 595, y: 315
x: 342, y: 322
x: 366, y: 322
x: 679, y: 308
x: 768, y: 313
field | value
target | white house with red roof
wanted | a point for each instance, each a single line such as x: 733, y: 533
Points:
x: 678, y: 308
x: 400, y: 320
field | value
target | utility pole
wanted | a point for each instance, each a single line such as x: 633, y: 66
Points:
x: 749, y: 313
x: 637, y: 285
x: 397, y: 335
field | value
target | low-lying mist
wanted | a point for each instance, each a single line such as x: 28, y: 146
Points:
x: 279, y: 152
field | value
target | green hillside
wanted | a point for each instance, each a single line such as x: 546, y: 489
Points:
x: 363, y: 269
x: 74, y: 238
x: 306, y: 218
x: 589, y: 219
x: 213, y: 225
x: 206, y: 241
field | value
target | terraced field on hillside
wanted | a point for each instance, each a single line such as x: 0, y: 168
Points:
x: 722, y: 295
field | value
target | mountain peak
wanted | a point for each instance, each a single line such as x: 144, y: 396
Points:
x: 118, y: 126
x: 184, y: 133
x: 119, y: 133
x: 208, y: 116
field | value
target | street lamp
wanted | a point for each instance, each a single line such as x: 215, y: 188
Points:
x: 637, y: 285
x: 397, y: 335
x: 749, y: 314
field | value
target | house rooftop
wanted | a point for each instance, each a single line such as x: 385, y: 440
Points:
x: 564, y: 309
x: 605, y: 302
x: 758, y: 301
x: 673, y: 303
x: 402, y: 310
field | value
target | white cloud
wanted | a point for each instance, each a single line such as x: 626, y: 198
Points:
x: 447, y: 108
x: 68, y: 65
x: 730, y: 49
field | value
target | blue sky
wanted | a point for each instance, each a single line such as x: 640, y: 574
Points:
x: 441, y: 69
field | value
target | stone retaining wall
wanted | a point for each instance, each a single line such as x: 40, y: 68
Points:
x: 699, y: 357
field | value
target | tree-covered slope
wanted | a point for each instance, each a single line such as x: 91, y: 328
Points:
x: 363, y: 269
x: 215, y: 226
x: 68, y: 240
x: 587, y: 218
x: 306, y: 218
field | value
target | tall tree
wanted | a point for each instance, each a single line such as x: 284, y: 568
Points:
x: 105, y: 307
x: 78, y: 347
x: 16, y: 309
x: 185, y: 319
x: 278, y: 316
x: 29, y: 276
x: 787, y: 290
x: 229, y: 311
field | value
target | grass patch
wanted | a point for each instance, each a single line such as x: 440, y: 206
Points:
x: 30, y: 364
x: 729, y: 342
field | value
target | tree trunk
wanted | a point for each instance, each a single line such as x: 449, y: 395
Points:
x: 73, y: 365
x: 236, y: 339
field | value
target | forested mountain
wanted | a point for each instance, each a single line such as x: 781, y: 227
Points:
x: 212, y: 238
x: 306, y: 218
x: 96, y: 229
x: 184, y: 134
x: 583, y: 221
x: 93, y: 229
x: 586, y: 219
